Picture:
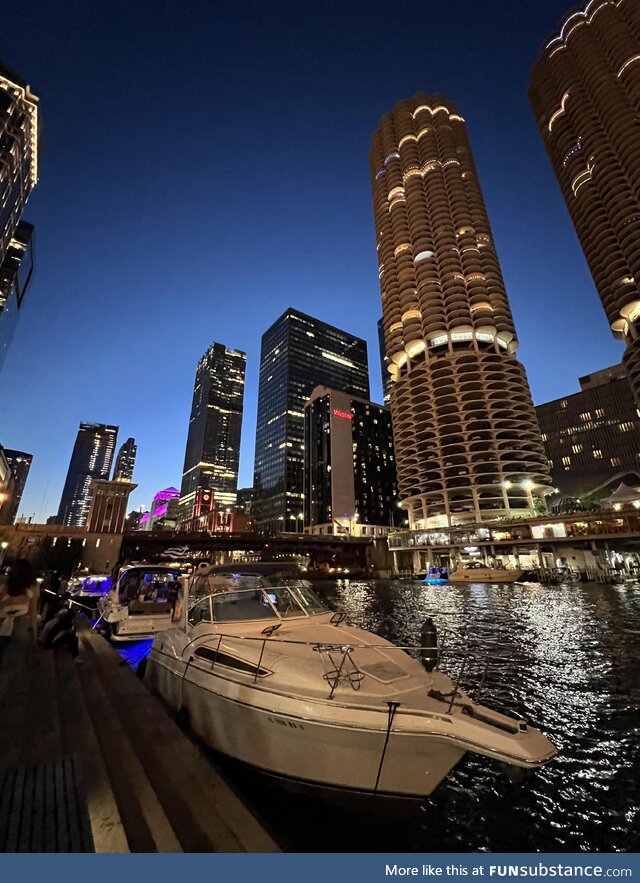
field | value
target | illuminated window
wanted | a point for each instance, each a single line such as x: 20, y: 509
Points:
x: 566, y: 461
x: 563, y: 404
x: 577, y: 449
x: 586, y: 415
x: 599, y: 412
x: 625, y: 427
x: 597, y: 454
x: 615, y: 461
x: 543, y: 436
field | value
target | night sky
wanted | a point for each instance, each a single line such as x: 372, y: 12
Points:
x: 204, y: 166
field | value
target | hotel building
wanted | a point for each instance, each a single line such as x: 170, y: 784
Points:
x: 467, y: 443
x: 349, y: 468
x: 585, y: 93
x: 91, y: 459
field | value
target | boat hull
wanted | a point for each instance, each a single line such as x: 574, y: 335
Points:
x: 485, y: 575
x: 305, y: 748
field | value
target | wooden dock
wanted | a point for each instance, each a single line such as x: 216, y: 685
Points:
x: 91, y: 761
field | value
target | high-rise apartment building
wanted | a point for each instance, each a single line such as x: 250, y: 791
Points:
x: 125, y: 461
x: 592, y: 438
x: 349, y: 470
x: 585, y: 93
x: 15, y: 274
x: 298, y: 353
x: 19, y: 134
x: 19, y: 464
x: 384, y: 364
x: 91, y: 459
x: 212, y: 455
x: 467, y: 442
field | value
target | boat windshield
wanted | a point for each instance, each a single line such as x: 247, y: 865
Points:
x: 148, y: 585
x: 273, y: 602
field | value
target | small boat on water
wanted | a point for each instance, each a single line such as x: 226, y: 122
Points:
x: 437, y: 576
x: 266, y: 674
x: 87, y: 591
x: 145, y: 600
x: 485, y: 575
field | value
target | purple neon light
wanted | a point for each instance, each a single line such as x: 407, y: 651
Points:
x: 145, y: 517
x: 169, y: 493
x: 161, y: 510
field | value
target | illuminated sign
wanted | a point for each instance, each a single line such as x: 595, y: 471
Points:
x: 342, y: 414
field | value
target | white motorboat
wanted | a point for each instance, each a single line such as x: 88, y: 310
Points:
x: 145, y: 600
x: 485, y: 575
x: 87, y: 591
x: 272, y: 678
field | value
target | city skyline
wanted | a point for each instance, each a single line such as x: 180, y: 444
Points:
x: 240, y: 305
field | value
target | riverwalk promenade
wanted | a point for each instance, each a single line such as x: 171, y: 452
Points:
x: 90, y: 761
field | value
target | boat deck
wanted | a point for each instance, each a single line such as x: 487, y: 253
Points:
x: 90, y: 761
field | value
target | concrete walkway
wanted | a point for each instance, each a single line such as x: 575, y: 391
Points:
x: 91, y: 761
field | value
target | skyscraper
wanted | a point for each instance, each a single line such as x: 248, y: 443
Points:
x: 467, y: 443
x: 19, y: 464
x: 19, y: 133
x: 350, y: 482
x: 213, y: 444
x: 91, y: 458
x: 384, y: 365
x: 298, y: 353
x: 585, y: 93
x: 15, y: 274
x: 125, y: 461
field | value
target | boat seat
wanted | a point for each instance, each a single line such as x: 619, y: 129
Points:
x: 147, y: 607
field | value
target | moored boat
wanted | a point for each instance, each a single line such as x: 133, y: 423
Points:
x: 270, y: 677
x: 145, y: 600
x: 485, y: 575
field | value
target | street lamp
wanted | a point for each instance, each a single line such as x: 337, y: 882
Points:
x: 3, y: 548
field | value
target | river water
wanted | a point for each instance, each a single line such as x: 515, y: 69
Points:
x: 566, y: 658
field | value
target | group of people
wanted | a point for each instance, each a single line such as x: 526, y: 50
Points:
x: 25, y: 606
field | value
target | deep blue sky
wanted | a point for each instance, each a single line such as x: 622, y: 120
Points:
x: 204, y: 166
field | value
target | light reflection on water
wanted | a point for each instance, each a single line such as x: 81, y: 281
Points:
x: 564, y: 658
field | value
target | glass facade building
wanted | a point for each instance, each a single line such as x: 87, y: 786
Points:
x: 91, y: 459
x: 384, y: 365
x: 19, y: 464
x: 298, y: 353
x: 212, y: 454
x: 125, y: 461
x: 15, y: 274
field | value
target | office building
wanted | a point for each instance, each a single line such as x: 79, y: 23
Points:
x: 91, y: 459
x: 592, y: 438
x: 15, y: 274
x: 108, y: 508
x: 19, y: 464
x: 384, y: 365
x: 125, y: 461
x: 467, y: 443
x: 212, y: 454
x: 350, y: 477
x: 585, y: 93
x: 298, y: 353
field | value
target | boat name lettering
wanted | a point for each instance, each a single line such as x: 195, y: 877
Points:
x: 285, y: 723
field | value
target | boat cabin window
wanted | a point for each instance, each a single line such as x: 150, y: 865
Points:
x: 219, y: 657
x: 308, y: 600
x: 240, y: 606
x: 200, y: 612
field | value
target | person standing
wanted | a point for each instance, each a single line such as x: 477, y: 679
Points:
x: 18, y: 598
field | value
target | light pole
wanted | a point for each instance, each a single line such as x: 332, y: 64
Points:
x: 3, y: 548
